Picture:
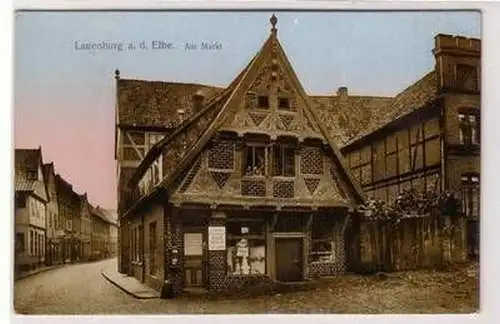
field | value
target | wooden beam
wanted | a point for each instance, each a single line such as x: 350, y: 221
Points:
x: 273, y: 221
x: 309, y: 222
x: 344, y: 226
x: 134, y: 146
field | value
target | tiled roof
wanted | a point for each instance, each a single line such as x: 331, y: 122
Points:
x: 412, y: 98
x: 154, y: 103
x: 346, y: 116
x: 23, y: 184
x: 103, y: 215
x: 28, y: 161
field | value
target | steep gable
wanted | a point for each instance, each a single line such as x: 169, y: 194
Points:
x: 270, y: 73
x: 29, y: 176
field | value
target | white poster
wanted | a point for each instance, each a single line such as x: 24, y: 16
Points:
x: 216, y: 238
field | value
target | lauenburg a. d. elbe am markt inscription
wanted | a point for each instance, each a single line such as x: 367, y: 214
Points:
x: 143, y: 45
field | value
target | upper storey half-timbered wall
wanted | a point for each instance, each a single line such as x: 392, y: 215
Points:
x: 259, y: 171
x: 132, y: 146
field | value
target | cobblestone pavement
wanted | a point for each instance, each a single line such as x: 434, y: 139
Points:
x: 80, y: 289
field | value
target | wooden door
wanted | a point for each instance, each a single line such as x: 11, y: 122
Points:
x: 289, y: 265
x: 193, y: 259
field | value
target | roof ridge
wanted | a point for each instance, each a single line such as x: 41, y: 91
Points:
x: 173, y: 82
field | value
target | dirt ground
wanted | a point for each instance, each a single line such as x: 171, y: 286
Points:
x: 451, y: 290
x: 81, y: 289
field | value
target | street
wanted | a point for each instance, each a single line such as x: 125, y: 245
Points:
x: 81, y: 289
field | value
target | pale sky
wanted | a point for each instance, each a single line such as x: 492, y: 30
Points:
x: 64, y: 97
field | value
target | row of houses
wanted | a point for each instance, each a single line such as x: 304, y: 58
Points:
x: 216, y: 185
x: 53, y: 223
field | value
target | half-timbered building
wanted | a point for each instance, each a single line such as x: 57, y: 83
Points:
x: 428, y: 137
x: 244, y: 181
x: 218, y: 186
x: 31, y: 198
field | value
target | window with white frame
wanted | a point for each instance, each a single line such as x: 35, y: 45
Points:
x: 246, y: 247
x: 469, y: 127
x: 322, y: 242
x: 470, y: 195
x: 255, y: 160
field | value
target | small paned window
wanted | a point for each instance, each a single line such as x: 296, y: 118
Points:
x: 255, y: 161
x: 283, y: 161
x: 469, y: 128
x: 284, y: 103
x: 263, y: 102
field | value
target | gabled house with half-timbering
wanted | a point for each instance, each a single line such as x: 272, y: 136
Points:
x: 222, y: 185
x: 31, y: 199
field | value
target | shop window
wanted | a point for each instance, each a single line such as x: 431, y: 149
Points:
x: 470, y: 195
x: 469, y: 127
x: 246, y: 247
x: 323, y: 245
x: 255, y: 160
x: 283, y: 161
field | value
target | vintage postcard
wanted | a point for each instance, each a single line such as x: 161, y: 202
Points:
x: 231, y: 162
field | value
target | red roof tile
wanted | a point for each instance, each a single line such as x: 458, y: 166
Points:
x: 155, y: 103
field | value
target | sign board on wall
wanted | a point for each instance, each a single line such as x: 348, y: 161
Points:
x: 216, y: 238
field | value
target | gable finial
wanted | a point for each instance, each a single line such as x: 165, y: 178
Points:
x: 274, y: 21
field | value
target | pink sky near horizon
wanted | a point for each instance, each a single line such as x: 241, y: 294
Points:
x: 82, y: 152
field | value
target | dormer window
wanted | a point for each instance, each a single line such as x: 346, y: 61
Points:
x: 263, y: 102
x: 32, y: 175
x: 284, y: 103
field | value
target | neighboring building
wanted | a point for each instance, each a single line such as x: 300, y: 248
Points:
x: 69, y: 218
x: 428, y: 137
x: 113, y: 232
x: 100, y: 236
x: 247, y: 183
x: 31, y: 198
x: 53, y: 247
x: 86, y: 228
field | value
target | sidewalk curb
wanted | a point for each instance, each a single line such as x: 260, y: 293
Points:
x: 128, y: 292
x: 30, y: 274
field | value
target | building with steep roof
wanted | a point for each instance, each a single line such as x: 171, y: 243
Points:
x: 246, y: 182
x: 428, y: 137
x: 31, y: 198
x: 218, y: 186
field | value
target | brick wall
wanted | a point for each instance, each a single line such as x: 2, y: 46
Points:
x: 173, y: 238
x: 217, y: 262
x: 154, y: 278
x: 457, y: 165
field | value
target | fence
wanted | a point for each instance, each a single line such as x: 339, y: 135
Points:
x: 410, y: 242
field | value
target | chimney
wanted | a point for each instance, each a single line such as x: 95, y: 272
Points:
x: 198, y: 100
x: 181, y: 114
x: 342, y: 92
